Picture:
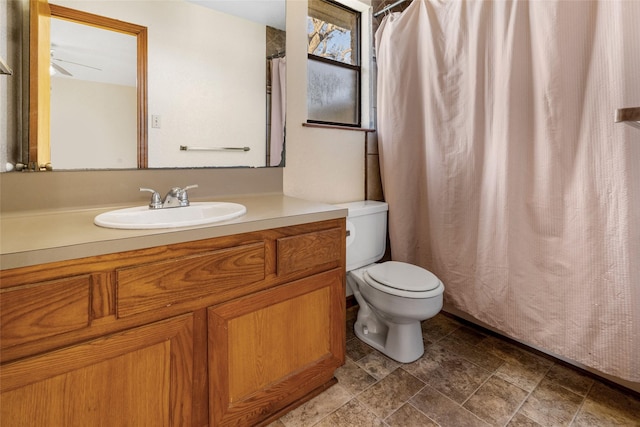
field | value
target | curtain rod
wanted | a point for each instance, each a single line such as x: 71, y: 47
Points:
x: 388, y: 8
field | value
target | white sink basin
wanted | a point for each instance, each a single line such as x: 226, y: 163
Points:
x: 198, y: 213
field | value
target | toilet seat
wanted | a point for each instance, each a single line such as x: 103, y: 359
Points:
x: 402, y: 279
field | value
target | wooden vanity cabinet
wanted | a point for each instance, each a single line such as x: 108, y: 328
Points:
x: 234, y: 330
x: 269, y: 350
x: 140, y: 377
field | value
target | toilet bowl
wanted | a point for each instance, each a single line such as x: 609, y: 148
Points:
x: 392, y: 308
x: 394, y: 297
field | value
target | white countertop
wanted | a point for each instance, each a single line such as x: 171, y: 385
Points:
x: 38, y: 237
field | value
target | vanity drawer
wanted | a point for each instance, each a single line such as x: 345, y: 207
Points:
x: 32, y: 312
x: 162, y: 284
x: 309, y: 250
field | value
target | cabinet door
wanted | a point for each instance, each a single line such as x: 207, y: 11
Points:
x: 271, y: 349
x: 140, y: 377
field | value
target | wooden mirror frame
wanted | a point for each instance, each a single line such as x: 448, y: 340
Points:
x: 41, y: 13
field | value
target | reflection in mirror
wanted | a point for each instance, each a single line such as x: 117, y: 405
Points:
x: 75, y: 98
x: 206, y: 83
x: 93, y: 97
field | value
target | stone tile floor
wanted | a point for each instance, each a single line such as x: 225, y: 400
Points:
x: 465, y: 378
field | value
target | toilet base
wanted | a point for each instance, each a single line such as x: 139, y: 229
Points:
x: 400, y: 342
x: 394, y: 331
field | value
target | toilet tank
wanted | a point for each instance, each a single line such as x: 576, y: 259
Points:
x: 367, y: 232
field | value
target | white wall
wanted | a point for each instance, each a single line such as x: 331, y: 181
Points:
x: 206, y: 79
x: 93, y: 125
x: 325, y: 165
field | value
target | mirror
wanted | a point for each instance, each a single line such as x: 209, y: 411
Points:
x: 94, y: 85
x: 209, y: 100
x: 98, y: 92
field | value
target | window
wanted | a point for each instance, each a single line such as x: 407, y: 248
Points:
x: 333, y: 66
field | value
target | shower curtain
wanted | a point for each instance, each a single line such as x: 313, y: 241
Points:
x: 278, y: 109
x: 505, y: 173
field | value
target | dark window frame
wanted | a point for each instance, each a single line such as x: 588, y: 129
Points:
x: 357, y: 67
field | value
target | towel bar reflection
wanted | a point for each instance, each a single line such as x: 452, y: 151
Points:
x: 189, y: 148
x: 630, y: 116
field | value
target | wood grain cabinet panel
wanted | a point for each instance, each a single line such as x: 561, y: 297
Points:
x: 140, y: 377
x: 163, y: 284
x: 308, y: 250
x: 268, y: 350
x: 33, y: 312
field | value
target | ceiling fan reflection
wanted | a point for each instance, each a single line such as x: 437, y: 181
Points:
x: 57, y: 68
x: 63, y: 70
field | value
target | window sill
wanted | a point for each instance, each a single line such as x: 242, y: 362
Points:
x: 317, y: 125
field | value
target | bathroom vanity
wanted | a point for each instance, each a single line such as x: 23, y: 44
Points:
x: 230, y: 324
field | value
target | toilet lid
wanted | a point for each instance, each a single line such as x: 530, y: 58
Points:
x: 403, y: 276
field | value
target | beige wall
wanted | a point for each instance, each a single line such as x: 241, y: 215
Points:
x: 325, y: 165
x: 93, y: 125
x: 321, y: 165
x: 61, y: 190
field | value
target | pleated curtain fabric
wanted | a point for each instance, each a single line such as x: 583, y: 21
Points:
x: 278, y: 109
x: 505, y: 173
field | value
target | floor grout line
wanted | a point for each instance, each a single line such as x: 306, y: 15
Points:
x: 525, y: 376
x: 520, y: 407
x: 584, y: 400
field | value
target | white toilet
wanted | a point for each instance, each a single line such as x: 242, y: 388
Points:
x: 394, y: 297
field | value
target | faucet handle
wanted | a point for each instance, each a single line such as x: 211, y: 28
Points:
x: 183, y: 197
x: 156, y: 200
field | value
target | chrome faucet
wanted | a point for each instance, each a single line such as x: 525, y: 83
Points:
x: 175, y: 198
